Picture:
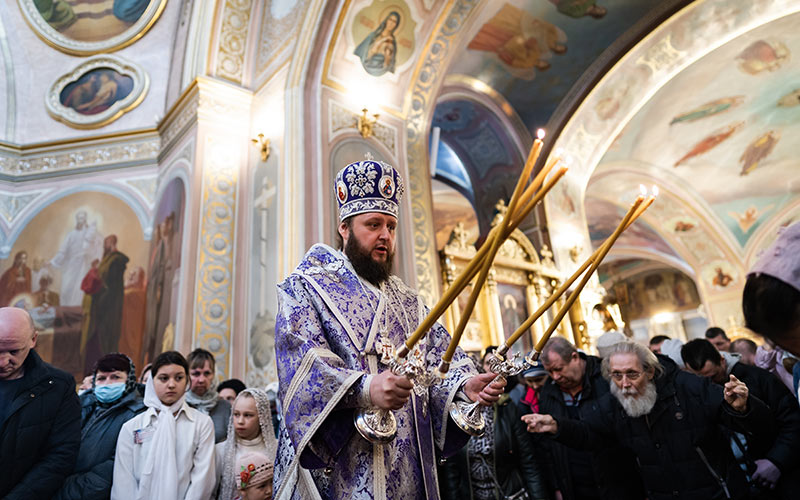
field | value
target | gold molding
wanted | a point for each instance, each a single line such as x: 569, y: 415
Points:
x: 46, y: 146
x: 233, y: 39
x: 427, y: 79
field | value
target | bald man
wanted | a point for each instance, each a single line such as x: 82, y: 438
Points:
x: 40, y: 416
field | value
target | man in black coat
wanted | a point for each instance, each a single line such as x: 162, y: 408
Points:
x: 40, y: 417
x: 574, y: 387
x: 772, y: 460
x: 670, y: 420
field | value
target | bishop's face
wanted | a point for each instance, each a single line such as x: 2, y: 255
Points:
x: 369, y: 243
x: 375, y: 233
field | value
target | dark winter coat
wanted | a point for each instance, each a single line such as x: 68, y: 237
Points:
x: 679, y: 446
x: 99, y: 431
x: 41, y: 435
x: 613, y: 468
x: 515, y: 463
x: 781, y: 442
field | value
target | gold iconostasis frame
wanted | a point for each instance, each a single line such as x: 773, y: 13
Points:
x: 518, y: 283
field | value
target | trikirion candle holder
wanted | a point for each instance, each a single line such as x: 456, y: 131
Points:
x: 468, y: 416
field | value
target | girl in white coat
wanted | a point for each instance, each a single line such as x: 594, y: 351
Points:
x: 167, y: 452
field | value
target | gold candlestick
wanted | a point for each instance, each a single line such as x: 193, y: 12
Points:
x: 636, y: 210
x: 472, y: 268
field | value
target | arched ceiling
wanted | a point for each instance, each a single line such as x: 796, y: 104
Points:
x: 720, y: 136
x: 529, y: 56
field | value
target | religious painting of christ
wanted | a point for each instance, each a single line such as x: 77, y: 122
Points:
x: 67, y: 268
x: 96, y: 91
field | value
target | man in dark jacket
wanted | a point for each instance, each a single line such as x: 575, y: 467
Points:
x: 670, y: 419
x: 574, y: 387
x: 771, y: 462
x: 39, y: 414
x: 112, y: 401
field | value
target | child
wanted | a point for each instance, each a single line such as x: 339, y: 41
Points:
x: 249, y: 431
x: 166, y: 452
x: 254, y: 477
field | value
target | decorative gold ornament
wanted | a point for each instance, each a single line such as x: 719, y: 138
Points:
x: 365, y: 123
x: 263, y: 144
x: 575, y: 252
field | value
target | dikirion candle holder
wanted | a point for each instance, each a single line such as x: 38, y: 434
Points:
x: 378, y: 425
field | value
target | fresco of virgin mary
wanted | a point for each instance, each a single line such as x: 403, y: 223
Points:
x: 378, y: 50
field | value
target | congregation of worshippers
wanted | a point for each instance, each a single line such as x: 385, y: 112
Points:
x: 712, y: 418
x: 223, y: 436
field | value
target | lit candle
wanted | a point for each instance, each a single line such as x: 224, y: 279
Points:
x: 557, y: 293
x: 494, y: 245
x: 472, y: 268
x: 635, y: 211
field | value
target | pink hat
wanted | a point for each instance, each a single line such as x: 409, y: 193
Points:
x: 782, y: 259
x: 254, y: 469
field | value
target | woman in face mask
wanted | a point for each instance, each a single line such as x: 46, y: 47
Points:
x: 110, y: 402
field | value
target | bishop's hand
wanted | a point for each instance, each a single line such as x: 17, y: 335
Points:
x: 389, y: 391
x: 482, y: 390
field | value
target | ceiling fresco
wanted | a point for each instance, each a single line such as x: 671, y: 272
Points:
x: 606, y: 216
x: 731, y: 140
x: 533, y: 51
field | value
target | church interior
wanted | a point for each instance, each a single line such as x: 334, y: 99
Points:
x: 164, y: 163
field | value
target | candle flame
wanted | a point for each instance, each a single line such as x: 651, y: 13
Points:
x: 642, y: 189
x: 540, y: 134
x: 655, y: 190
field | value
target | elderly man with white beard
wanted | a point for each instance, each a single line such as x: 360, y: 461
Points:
x: 670, y: 420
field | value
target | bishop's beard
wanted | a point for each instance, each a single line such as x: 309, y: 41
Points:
x: 368, y: 268
x: 636, y: 406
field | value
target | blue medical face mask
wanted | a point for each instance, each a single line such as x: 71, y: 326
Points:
x: 109, y: 393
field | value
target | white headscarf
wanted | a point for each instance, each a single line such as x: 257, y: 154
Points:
x: 160, y: 472
x: 228, y: 489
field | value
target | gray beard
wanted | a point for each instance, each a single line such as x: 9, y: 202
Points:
x: 636, y: 406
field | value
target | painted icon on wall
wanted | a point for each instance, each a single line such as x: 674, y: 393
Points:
x: 384, y: 36
x: 163, y: 276
x: 72, y: 267
x: 85, y: 27
x: 97, y: 92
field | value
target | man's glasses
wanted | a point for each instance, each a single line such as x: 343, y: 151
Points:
x: 631, y: 375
